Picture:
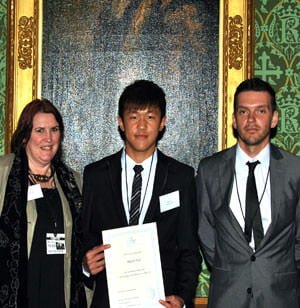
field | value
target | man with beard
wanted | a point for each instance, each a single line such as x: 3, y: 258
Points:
x: 249, y: 210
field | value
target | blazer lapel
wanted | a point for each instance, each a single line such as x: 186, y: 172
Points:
x: 160, y: 180
x: 276, y: 178
x: 114, y: 173
x: 226, y: 179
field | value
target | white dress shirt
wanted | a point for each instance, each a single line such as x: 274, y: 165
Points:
x: 148, y: 175
x: 262, y: 179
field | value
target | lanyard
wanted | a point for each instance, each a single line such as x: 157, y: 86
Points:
x: 262, y: 195
x: 142, y: 204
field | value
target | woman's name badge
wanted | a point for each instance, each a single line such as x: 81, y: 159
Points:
x: 34, y: 192
x: 56, y: 244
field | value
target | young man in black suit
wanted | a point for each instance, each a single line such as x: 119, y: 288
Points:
x: 107, y: 192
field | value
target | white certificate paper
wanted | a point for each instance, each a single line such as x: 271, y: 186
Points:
x: 133, y: 267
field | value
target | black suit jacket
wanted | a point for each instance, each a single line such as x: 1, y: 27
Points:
x: 242, y: 278
x: 177, y: 228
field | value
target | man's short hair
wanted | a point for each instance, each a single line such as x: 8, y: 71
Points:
x: 255, y: 84
x: 142, y: 94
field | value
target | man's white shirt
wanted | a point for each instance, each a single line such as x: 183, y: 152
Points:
x: 262, y: 179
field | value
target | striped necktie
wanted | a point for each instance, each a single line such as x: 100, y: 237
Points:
x: 135, y: 200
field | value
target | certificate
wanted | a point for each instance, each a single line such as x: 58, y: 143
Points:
x: 133, y: 267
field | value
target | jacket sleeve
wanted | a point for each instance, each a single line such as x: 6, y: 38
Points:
x: 206, y: 225
x: 6, y: 162
x: 189, y: 261
x: 297, y: 240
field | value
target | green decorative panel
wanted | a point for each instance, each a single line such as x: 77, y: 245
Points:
x: 3, y: 35
x: 203, y: 285
x: 277, y: 60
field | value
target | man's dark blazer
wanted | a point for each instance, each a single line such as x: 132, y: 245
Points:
x: 241, y: 278
x: 177, y: 228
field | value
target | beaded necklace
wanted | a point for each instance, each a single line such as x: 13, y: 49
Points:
x: 42, y: 178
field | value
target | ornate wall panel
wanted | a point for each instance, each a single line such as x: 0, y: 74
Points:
x: 235, y: 62
x: 23, y: 73
x: 277, y: 60
x: 3, y: 39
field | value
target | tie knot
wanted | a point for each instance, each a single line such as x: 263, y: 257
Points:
x: 138, y: 169
x: 252, y: 165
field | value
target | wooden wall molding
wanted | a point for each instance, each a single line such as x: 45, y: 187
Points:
x: 23, y: 59
x: 235, y: 42
x: 26, y: 28
x: 236, y: 53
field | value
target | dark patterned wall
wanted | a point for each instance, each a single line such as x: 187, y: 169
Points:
x: 93, y: 49
x: 277, y: 60
x: 3, y: 36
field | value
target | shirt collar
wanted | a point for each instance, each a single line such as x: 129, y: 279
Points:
x: 146, y: 163
x: 263, y: 156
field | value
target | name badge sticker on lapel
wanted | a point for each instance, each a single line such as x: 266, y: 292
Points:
x: 169, y: 201
x: 34, y: 192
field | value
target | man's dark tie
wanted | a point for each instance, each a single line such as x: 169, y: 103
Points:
x: 253, y: 216
x: 134, y: 212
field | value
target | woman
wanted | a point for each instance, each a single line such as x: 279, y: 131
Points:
x: 40, y: 205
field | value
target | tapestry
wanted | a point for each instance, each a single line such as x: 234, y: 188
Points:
x: 277, y: 60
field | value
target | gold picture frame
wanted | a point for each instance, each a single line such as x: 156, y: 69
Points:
x: 24, y: 54
x: 25, y: 19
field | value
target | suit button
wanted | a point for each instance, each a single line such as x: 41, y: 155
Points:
x: 249, y: 290
x: 253, y: 258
